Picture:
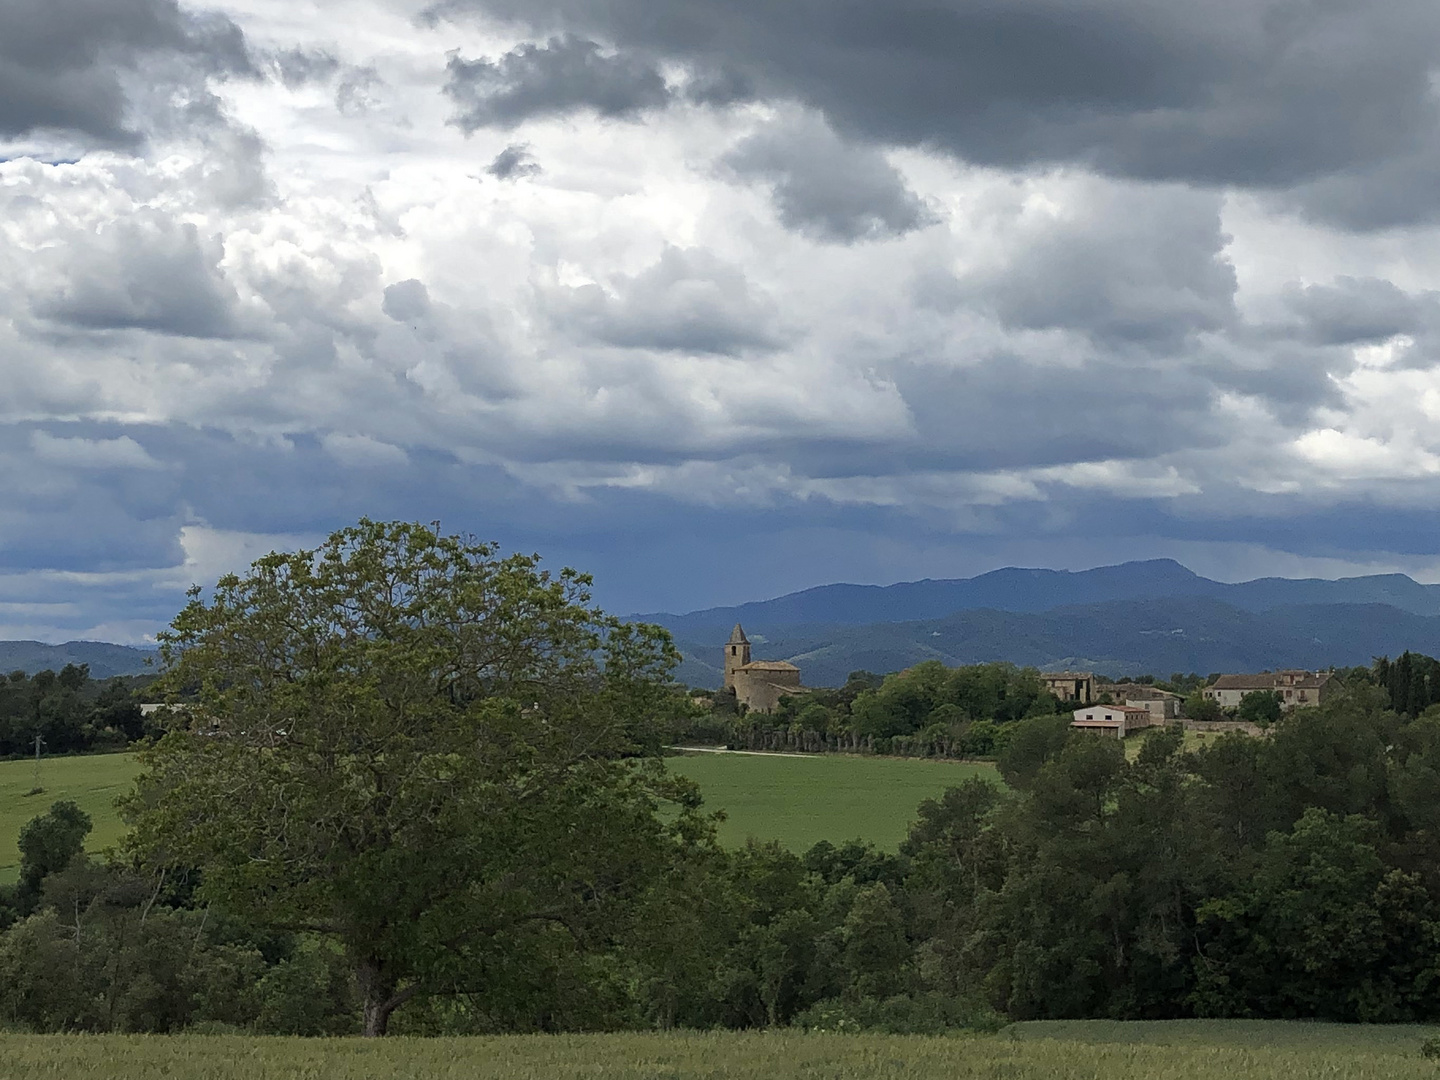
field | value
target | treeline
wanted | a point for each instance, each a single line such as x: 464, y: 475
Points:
x: 931, y: 710
x: 70, y: 712
x: 928, y: 710
x: 1295, y: 875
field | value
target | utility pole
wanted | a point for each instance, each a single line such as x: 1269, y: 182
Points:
x: 37, y: 787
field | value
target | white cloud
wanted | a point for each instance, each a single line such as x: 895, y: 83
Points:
x: 121, y: 453
x: 352, y: 315
x: 363, y: 451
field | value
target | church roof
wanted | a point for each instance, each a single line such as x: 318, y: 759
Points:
x: 737, y: 636
x: 768, y: 665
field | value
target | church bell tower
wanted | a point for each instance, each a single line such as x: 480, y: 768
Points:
x: 737, y: 654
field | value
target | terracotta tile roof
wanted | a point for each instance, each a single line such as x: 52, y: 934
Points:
x: 1272, y: 681
x: 1138, y: 691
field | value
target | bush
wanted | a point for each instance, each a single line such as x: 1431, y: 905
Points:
x: 922, y: 1014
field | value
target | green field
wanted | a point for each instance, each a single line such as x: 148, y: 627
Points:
x: 92, y: 782
x: 800, y: 800
x: 796, y: 800
x: 1182, y: 1050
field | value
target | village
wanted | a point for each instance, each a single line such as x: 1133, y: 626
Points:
x: 1102, y: 706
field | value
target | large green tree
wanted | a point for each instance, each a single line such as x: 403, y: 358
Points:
x: 420, y: 748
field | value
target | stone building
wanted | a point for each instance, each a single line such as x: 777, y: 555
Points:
x: 1294, y: 687
x: 1163, y: 705
x: 1070, y: 685
x: 759, y: 685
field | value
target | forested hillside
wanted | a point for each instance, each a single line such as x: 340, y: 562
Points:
x: 102, y: 659
x: 1115, y: 638
x: 1033, y: 590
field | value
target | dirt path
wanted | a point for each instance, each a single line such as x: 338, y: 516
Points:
x: 748, y: 753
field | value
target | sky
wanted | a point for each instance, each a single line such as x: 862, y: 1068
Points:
x: 715, y: 299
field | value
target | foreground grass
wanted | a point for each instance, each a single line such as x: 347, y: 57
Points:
x: 804, y: 799
x: 1261, y: 1052
x: 94, y: 783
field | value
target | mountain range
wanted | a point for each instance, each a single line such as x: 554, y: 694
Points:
x: 105, y: 660
x: 1155, y: 616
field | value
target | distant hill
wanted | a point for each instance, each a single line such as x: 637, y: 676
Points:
x: 105, y: 660
x: 1154, y: 616
x: 1119, y: 637
x: 1017, y: 589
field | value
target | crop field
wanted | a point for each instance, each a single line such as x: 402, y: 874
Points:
x: 800, y: 800
x: 93, y: 783
x: 1182, y: 1050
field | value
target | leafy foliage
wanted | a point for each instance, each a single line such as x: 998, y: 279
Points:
x: 418, y: 748
x: 69, y: 711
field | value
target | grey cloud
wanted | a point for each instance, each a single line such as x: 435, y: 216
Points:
x: 63, y: 63
x: 406, y: 301
x: 357, y: 93
x: 566, y: 74
x: 297, y: 66
x: 1269, y: 94
x: 514, y: 162
x: 719, y: 87
x: 688, y: 301
x: 1125, y: 264
x: 145, y: 272
x: 1352, y: 311
x: 826, y: 188
x: 86, y: 496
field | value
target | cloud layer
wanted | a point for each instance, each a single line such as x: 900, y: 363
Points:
x: 716, y: 300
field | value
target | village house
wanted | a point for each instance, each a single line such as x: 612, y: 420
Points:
x: 1070, y: 685
x: 1295, y: 687
x: 1162, y: 704
x: 1118, y: 720
x: 758, y: 685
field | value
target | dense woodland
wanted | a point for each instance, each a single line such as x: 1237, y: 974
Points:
x: 71, y: 712
x: 1295, y: 875
x: 418, y: 787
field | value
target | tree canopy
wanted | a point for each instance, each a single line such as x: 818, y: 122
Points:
x: 428, y: 752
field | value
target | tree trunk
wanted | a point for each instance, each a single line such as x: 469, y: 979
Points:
x: 377, y: 990
x: 377, y: 1019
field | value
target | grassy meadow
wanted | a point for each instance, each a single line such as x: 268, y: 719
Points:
x: 93, y: 783
x: 800, y: 800
x: 796, y: 800
x: 1179, y: 1050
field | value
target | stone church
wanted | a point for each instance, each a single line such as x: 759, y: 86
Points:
x: 758, y: 684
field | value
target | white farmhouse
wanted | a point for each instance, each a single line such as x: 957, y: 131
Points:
x: 1117, y: 720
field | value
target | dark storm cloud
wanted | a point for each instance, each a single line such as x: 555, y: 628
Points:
x: 1265, y: 93
x: 90, y: 496
x: 145, y: 272
x: 514, y: 162
x: 826, y: 188
x: 566, y: 74
x: 63, y: 62
x: 688, y: 301
x: 1353, y: 311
